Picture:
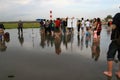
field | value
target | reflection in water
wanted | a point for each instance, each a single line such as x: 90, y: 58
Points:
x: 57, y: 42
x: 87, y: 38
x: 45, y: 57
x: 2, y: 45
x: 69, y: 39
x: 78, y: 38
x: 21, y: 38
x: 82, y: 41
x: 52, y: 41
x: 65, y: 41
x: 43, y: 38
x: 48, y: 40
x: 95, y: 49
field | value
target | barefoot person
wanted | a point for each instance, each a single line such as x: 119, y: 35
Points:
x: 114, y: 46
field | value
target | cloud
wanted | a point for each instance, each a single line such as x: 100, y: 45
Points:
x: 23, y: 2
x: 116, y: 6
x: 32, y: 9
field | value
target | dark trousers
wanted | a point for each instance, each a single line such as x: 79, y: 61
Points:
x: 113, y: 48
x: 20, y: 29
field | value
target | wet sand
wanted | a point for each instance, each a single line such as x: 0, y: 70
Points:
x: 35, y: 57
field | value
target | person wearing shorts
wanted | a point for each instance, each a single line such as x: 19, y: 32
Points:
x: 114, y: 47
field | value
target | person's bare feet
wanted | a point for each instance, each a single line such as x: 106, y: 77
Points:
x: 109, y: 74
x: 117, y: 74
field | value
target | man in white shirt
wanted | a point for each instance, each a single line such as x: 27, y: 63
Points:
x: 82, y: 25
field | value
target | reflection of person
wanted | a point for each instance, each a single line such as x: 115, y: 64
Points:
x: 82, y: 41
x: 20, y: 27
x: 95, y: 49
x: 87, y: 38
x: 65, y: 40
x: 113, y: 47
x: 58, y: 42
x: 78, y: 37
x: 43, y: 38
x: 2, y: 45
x: 21, y: 38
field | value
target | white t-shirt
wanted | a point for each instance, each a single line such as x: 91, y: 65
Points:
x: 87, y: 24
x: 83, y: 23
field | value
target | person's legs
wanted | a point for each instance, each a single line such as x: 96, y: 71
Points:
x: 18, y: 30
x: 118, y: 72
x: 109, y: 71
x: 110, y: 57
x: 78, y: 29
x: 21, y: 29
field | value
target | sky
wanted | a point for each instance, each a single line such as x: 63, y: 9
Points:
x: 14, y: 10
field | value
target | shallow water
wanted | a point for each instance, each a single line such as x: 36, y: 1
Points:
x: 33, y: 56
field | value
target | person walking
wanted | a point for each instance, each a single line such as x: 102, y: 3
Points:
x: 114, y: 46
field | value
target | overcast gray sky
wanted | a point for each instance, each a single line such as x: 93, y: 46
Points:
x: 12, y: 10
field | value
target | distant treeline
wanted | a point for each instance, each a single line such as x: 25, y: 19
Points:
x: 18, y: 21
x: 26, y: 24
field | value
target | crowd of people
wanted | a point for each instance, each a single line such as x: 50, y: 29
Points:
x: 57, y: 28
x: 56, y: 31
x: 89, y: 27
x: 60, y: 25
